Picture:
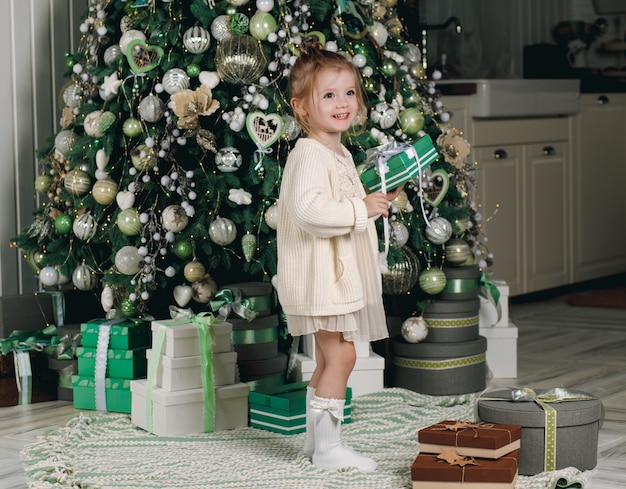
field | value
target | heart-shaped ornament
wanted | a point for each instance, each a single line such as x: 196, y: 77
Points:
x: 437, y: 187
x: 142, y: 57
x: 125, y: 199
x: 183, y: 294
x: 264, y: 129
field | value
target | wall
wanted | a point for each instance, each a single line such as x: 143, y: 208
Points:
x: 34, y: 34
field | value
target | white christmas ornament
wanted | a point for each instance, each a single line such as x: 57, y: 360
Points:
x: 209, y: 78
x: 102, y: 159
x: 239, y: 196
x: 84, y: 226
x: 222, y: 231
x: 49, y: 276
x: 110, y: 86
x: 204, y: 290
x: 84, y: 278
x: 128, y: 260
x: 182, y: 294
x: 438, y: 230
x: 414, y: 329
x: 106, y: 298
x: 271, y: 216
x: 174, y: 218
x: 125, y: 199
x: 128, y: 36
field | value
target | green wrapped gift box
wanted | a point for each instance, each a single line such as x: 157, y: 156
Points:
x: 117, y: 392
x: 125, y: 335
x: 282, y: 409
x: 403, y: 166
x: 121, y: 364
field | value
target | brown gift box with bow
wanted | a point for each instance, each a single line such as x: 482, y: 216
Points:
x: 450, y: 470
x: 487, y: 440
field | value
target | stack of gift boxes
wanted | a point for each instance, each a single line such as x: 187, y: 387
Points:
x: 255, y: 334
x: 452, y: 358
x: 190, y: 369
x: 459, y: 454
x: 113, y: 352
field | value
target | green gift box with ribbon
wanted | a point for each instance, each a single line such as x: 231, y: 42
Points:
x: 121, y: 364
x: 124, y: 335
x: 559, y: 426
x: 403, y: 163
x: 117, y: 394
x: 282, y: 409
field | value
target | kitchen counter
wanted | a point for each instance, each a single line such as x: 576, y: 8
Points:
x: 588, y: 84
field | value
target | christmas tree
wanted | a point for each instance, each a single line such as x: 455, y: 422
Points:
x: 162, y: 182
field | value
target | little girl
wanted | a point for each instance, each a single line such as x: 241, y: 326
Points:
x: 329, y: 281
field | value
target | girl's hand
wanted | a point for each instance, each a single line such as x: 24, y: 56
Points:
x: 392, y: 194
x: 376, y: 204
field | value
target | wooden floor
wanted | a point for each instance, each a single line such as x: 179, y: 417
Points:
x: 559, y: 345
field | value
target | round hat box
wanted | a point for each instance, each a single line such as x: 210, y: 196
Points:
x: 439, y: 369
x: 452, y: 321
x: 462, y: 283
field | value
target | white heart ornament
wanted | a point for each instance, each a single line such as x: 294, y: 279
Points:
x: 125, y: 199
x: 106, y: 298
x: 209, y: 78
x: 182, y: 295
x: 264, y: 129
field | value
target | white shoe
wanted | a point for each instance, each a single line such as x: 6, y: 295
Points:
x: 329, y: 453
x: 309, y: 439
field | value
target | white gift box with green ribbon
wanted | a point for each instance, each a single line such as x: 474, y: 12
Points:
x: 403, y: 163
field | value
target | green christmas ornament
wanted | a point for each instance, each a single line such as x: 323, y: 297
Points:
x: 129, y: 308
x: 128, y: 222
x: 42, y: 182
x: 107, y: 119
x: 411, y: 121
x: 389, y: 67
x: 63, y: 223
x: 248, y: 246
x: 262, y: 24
x: 432, y: 281
x: 132, y: 127
x: 35, y: 259
x: 239, y: 23
x: 371, y: 85
x: 183, y: 249
x: 193, y: 70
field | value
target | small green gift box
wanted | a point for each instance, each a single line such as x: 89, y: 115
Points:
x: 401, y: 165
x: 121, y: 364
x: 117, y: 393
x: 282, y: 409
x: 123, y: 335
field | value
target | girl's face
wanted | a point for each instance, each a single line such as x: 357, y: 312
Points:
x: 333, y: 104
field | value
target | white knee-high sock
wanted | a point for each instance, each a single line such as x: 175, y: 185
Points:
x: 329, y: 452
x: 309, y: 439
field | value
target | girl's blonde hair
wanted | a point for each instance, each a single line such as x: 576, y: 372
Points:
x: 303, y: 75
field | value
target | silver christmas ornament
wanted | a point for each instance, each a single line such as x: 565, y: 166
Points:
x: 220, y: 29
x: 439, y: 230
x: 84, y: 278
x: 112, y: 54
x: 174, y: 80
x: 84, y: 226
x: 196, y: 39
x: 151, y: 108
x: 240, y: 60
x: 228, y: 159
x: 222, y: 231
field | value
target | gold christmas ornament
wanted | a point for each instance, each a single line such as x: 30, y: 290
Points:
x: 77, y: 182
x: 403, y: 275
x: 104, y: 191
x: 240, y: 60
x: 194, y: 271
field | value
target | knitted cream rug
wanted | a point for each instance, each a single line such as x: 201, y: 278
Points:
x: 106, y: 451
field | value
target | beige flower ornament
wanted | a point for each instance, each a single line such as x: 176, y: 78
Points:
x: 455, y: 148
x: 189, y: 105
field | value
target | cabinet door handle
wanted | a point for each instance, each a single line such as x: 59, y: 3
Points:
x: 602, y: 99
x: 500, y: 154
x: 549, y: 151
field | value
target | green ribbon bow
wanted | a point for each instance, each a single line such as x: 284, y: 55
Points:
x: 490, y: 291
x: 225, y: 302
x: 525, y: 394
x: 29, y: 340
x: 203, y: 321
x: 66, y: 348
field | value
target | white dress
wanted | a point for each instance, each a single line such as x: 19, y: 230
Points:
x: 368, y: 323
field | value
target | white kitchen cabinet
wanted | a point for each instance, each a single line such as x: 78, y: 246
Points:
x: 523, y: 180
x: 598, y: 180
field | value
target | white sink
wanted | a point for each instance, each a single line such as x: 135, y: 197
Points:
x: 504, y: 98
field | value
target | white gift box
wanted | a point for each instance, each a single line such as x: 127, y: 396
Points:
x: 181, y: 373
x: 182, y: 412
x: 367, y: 375
x: 307, y: 346
x: 181, y: 340
x: 501, y: 351
x: 488, y: 313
